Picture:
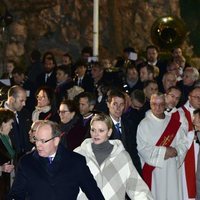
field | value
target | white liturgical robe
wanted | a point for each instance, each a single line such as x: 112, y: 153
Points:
x: 165, y: 177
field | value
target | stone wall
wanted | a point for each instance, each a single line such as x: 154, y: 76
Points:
x: 66, y: 26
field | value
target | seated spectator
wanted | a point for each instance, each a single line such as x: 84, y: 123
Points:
x: 152, y: 57
x: 174, y: 68
x: 101, y: 99
x: 46, y: 105
x: 86, y: 52
x: 64, y: 82
x: 190, y: 76
x: 67, y: 60
x: 150, y: 87
x: 48, y: 77
x: 35, y: 68
x: 177, y: 56
x: 71, y: 124
x: 169, y: 80
x: 101, y: 77
x: 131, y: 79
x: 82, y: 79
x: 10, y: 65
x: 146, y: 72
x: 114, y: 178
x: 137, y: 99
x: 20, y: 78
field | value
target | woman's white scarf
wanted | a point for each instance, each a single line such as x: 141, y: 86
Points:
x: 38, y: 110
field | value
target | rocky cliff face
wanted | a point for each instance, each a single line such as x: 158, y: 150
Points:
x: 67, y: 25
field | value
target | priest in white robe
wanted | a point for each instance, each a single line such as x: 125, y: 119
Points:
x: 162, y: 146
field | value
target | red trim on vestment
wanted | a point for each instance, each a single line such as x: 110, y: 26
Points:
x: 190, y: 161
x: 165, y: 140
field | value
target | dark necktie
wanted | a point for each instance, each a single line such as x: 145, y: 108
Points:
x: 50, y: 159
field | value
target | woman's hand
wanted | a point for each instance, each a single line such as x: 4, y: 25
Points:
x: 7, y: 167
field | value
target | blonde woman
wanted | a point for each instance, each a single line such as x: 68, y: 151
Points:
x: 111, y: 164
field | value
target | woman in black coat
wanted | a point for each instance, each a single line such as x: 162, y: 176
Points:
x: 7, y: 152
x: 71, y: 125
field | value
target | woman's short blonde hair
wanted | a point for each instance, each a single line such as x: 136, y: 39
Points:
x: 104, y: 118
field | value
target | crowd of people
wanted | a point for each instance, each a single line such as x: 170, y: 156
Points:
x: 93, y: 130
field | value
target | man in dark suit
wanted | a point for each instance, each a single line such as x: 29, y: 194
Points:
x: 51, y: 171
x: 48, y: 78
x: 122, y: 127
x: 15, y: 102
x: 82, y: 79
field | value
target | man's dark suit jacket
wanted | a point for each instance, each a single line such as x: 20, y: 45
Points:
x: 51, y: 81
x: 87, y: 83
x: 128, y: 138
x: 60, y: 180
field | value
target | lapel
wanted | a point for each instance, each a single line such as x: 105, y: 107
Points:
x: 123, y: 138
x: 50, y: 170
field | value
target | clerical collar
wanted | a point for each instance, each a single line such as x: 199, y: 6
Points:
x: 88, y: 116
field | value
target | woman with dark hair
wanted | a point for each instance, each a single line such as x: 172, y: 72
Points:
x: 7, y: 152
x: 71, y: 124
x: 46, y: 105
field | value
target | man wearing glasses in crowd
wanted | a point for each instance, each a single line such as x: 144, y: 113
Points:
x: 52, y: 172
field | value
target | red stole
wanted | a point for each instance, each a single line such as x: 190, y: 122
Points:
x: 190, y: 161
x: 165, y: 140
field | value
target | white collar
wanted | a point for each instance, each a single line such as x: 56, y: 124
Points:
x: 114, y: 121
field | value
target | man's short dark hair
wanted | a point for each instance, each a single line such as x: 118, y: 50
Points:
x: 91, y: 98
x: 65, y: 68
x: 115, y: 93
x: 18, y: 70
x: 173, y: 88
x: 152, y: 47
x: 138, y: 95
x: 80, y: 63
x: 68, y: 55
